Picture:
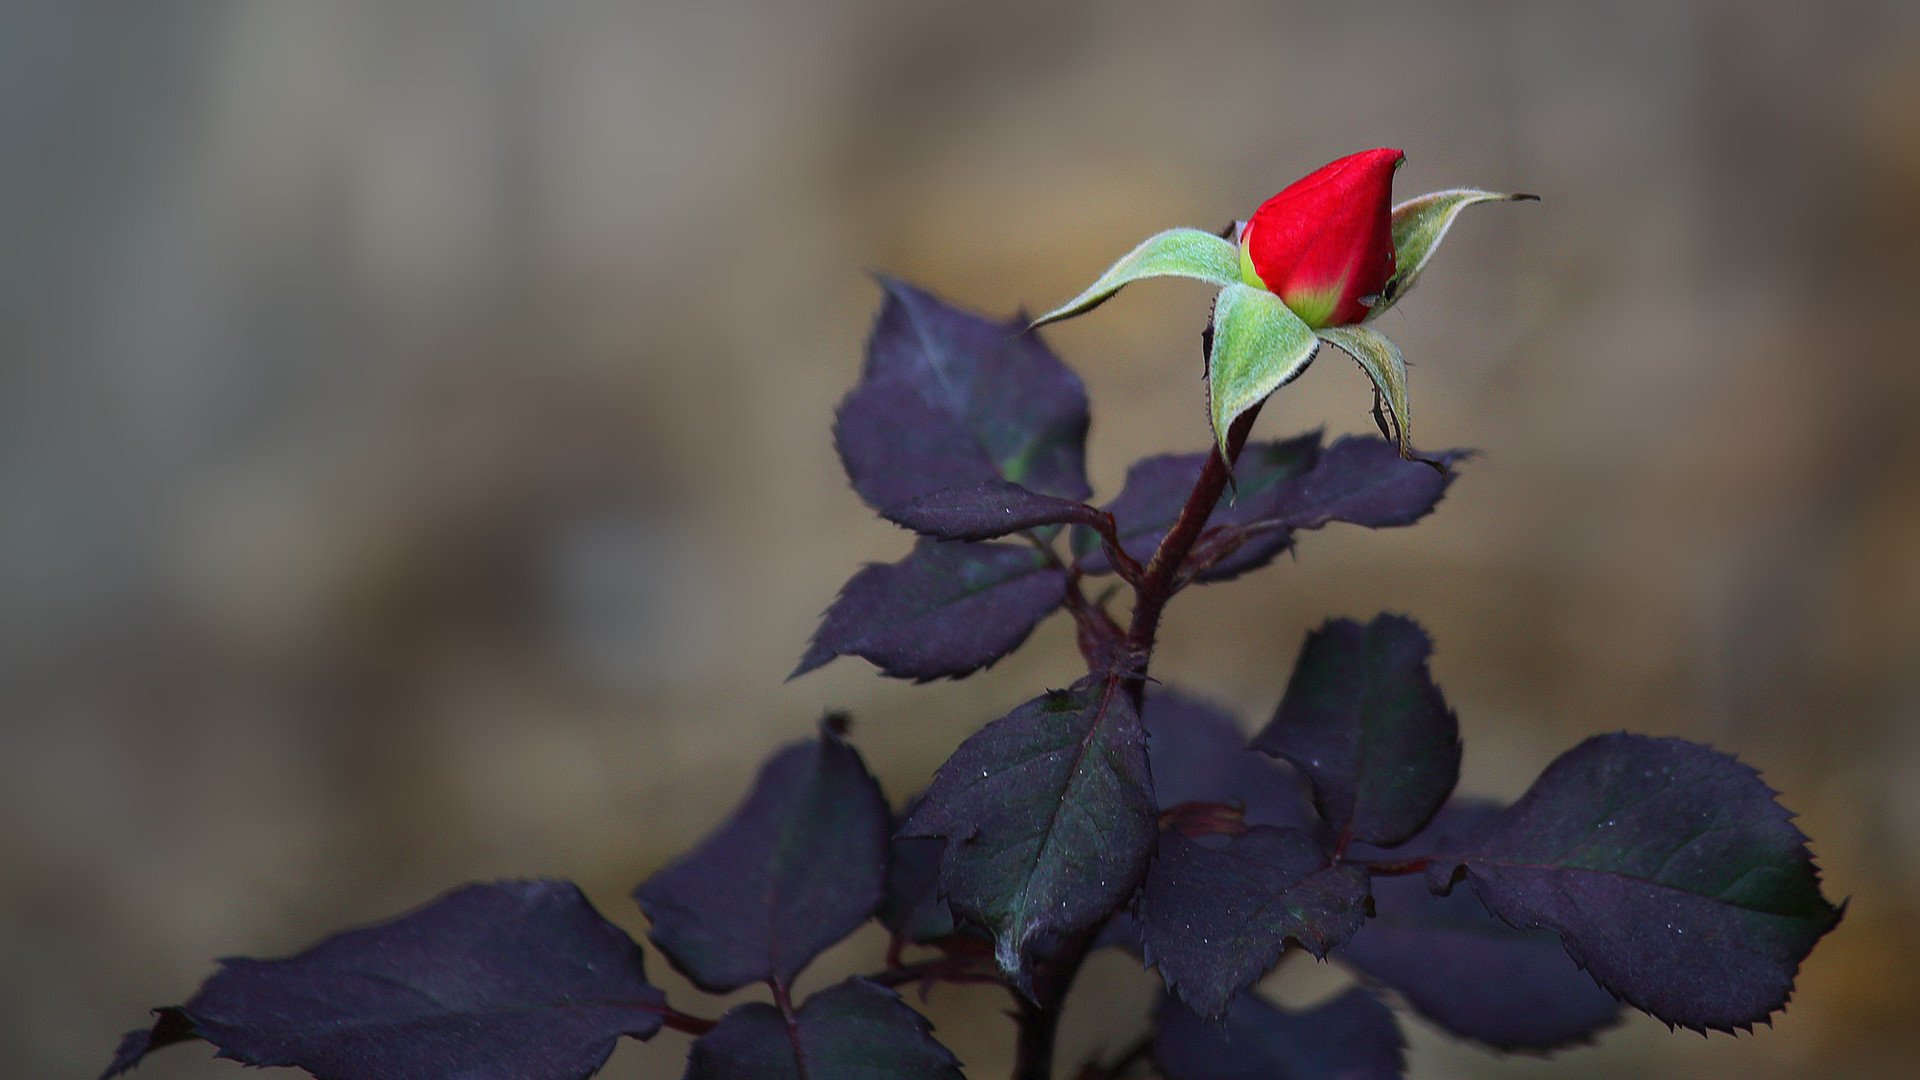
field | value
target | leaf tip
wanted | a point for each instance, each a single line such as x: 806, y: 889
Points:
x: 170, y: 1026
x: 1010, y: 955
x: 817, y: 656
x: 892, y: 286
x: 1060, y: 314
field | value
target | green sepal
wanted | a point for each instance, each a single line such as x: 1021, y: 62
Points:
x: 1259, y: 345
x: 1188, y: 253
x: 1381, y: 360
x: 1419, y: 224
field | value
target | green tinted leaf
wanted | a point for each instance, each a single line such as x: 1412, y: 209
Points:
x: 1188, y: 253
x: 1364, y: 723
x: 1419, y: 224
x: 1382, y: 362
x: 854, y: 1031
x: 1049, y: 818
x: 1258, y: 346
x: 1668, y: 870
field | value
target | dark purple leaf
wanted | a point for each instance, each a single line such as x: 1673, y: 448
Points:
x: 852, y: 1031
x: 1216, y: 911
x: 945, y: 611
x: 1352, y: 1037
x: 1049, y: 817
x: 950, y: 398
x: 1669, y: 872
x: 1120, y: 931
x: 1467, y: 971
x: 508, y: 981
x: 896, y: 445
x: 170, y: 1026
x: 1474, y: 975
x: 1157, y: 487
x: 984, y: 510
x: 1360, y: 480
x: 1280, y: 487
x: 1365, y: 723
x: 1199, y: 754
x: 1457, y: 818
x: 914, y: 908
x: 800, y: 865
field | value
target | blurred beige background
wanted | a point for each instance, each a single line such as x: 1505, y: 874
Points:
x: 415, y: 467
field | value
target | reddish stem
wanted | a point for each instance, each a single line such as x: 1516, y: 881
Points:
x: 677, y: 1020
x: 951, y: 969
x: 1160, y: 580
x: 1124, y: 564
x: 1098, y: 635
x: 1205, y: 819
x: 1397, y: 869
x: 1153, y: 586
x: 783, y: 999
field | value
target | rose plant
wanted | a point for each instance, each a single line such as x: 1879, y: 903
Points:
x: 1117, y: 811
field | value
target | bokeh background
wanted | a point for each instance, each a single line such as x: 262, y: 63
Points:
x: 415, y: 466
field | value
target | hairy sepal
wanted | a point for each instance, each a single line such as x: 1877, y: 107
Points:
x: 1187, y: 253
x: 1380, y: 358
x: 1419, y: 224
x: 1259, y: 345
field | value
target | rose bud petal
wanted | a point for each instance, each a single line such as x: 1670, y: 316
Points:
x: 1325, y: 244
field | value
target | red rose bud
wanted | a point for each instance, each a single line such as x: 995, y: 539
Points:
x: 1325, y: 245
